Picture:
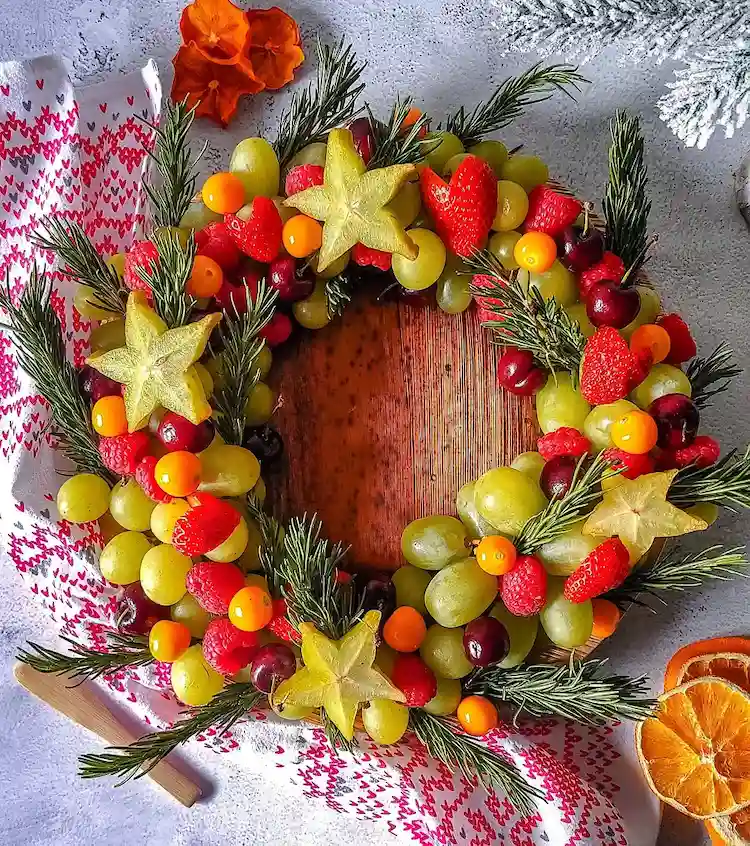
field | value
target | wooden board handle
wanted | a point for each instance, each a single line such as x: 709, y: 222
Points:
x: 82, y: 705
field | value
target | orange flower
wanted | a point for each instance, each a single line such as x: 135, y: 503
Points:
x: 273, y: 49
x: 217, y: 87
x: 218, y: 28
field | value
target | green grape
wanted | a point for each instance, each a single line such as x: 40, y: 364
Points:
x: 449, y: 146
x: 557, y: 282
x: 599, y: 421
x: 459, y: 593
x: 411, y: 583
x: 446, y: 700
x: 512, y: 206
x: 662, y: 379
x: 254, y: 161
x: 577, y: 312
x: 262, y: 362
x: 522, y: 632
x: 260, y: 405
x: 198, y: 216
x: 495, y: 153
x: 86, y: 304
x: 451, y: 166
x: 83, y: 498
x: 467, y: 511
x: 120, y: 560
x: 648, y: 312
x: 108, y: 336
x: 206, y: 379
x: 443, y: 651
x: 426, y: 268
x: 194, y: 680
x: 233, y: 547
x: 453, y: 294
x: 527, y: 171
x: 163, y: 574
x: 250, y: 558
x: 502, y: 246
x: 130, y: 506
x: 432, y: 543
x: 314, y: 153
x: 385, y: 721
x: 312, y: 313
x: 529, y: 463
x: 189, y: 612
x: 563, y: 554
x: 560, y: 403
x: 567, y: 624
x: 507, y: 498
x: 285, y: 212
x: 228, y: 470
x: 337, y: 266
x: 406, y: 204
x: 164, y: 516
x: 182, y: 234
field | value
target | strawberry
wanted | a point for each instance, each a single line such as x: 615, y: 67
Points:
x: 563, y: 441
x: 142, y: 255
x: 123, y: 453
x: 610, y: 268
x: 635, y: 465
x: 145, y: 475
x: 463, y: 210
x: 256, y: 229
x: 550, y: 211
x: 524, y: 589
x: 703, y: 452
x: 603, y: 569
x: 682, y: 346
x: 609, y: 370
x: 280, y: 624
x: 302, y: 177
x: 215, y: 242
x: 367, y: 257
x: 208, y: 523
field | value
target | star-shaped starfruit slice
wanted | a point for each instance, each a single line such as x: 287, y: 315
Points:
x: 156, y: 364
x: 338, y: 675
x: 637, y: 511
x: 352, y: 203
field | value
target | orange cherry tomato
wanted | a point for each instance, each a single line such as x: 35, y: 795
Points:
x: 167, y: 640
x: 302, y: 236
x: 535, y: 251
x: 178, y: 473
x: 606, y: 618
x: 223, y: 193
x: 653, y: 338
x: 405, y: 629
x: 477, y: 715
x: 251, y: 609
x: 206, y: 278
x: 635, y: 432
x: 108, y: 417
x: 496, y: 555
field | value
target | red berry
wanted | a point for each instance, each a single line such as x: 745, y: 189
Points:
x: 302, y: 177
x: 123, y: 453
x: 95, y: 385
x: 703, y: 452
x: 550, y: 211
x: 142, y: 255
x: 603, y: 569
x: 524, y: 589
x: 208, y: 523
x: 215, y: 242
x: 610, y: 268
x: 609, y: 369
x: 177, y: 433
x: 145, y: 475
x: 280, y: 624
x: 232, y: 296
x: 213, y: 584
x: 277, y: 330
x: 227, y: 648
x: 636, y: 464
x: 367, y: 257
x: 563, y: 441
x: 256, y: 229
x: 682, y: 346
x: 414, y: 679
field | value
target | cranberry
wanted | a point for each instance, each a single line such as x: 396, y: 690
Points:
x: 557, y: 476
x: 264, y: 442
x: 677, y: 420
x: 579, y: 250
x: 486, y: 641
x: 95, y: 385
x: 277, y: 330
x: 517, y: 373
x: 607, y: 304
x: 364, y: 137
x: 178, y: 433
x: 273, y: 663
x: 291, y: 283
x: 136, y: 612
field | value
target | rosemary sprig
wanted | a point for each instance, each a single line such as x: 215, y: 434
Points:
x: 272, y: 549
x: 168, y: 277
x: 393, y: 145
x: 711, y: 376
x: 674, y: 571
x: 475, y: 761
x: 239, y: 334
x: 339, y: 291
x: 82, y: 262
x: 725, y: 483
x: 511, y: 98
x: 335, y: 738
x: 576, y: 692
x: 625, y: 205
x: 176, y: 166
x: 134, y: 761
x: 324, y: 104
x: 40, y: 349
x: 525, y: 319
x: 125, y: 650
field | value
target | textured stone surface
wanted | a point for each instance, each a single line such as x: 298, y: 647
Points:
x: 444, y: 53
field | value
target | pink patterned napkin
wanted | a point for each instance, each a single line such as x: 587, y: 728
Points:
x: 78, y: 152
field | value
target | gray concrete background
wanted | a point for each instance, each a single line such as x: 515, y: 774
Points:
x: 444, y: 54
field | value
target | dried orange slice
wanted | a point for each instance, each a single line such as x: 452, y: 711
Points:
x: 697, y: 659
x: 695, y: 752
x: 731, y: 830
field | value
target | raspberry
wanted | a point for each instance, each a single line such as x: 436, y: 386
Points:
x: 563, y: 441
x: 682, y: 346
x: 414, y: 679
x: 208, y: 523
x: 146, y: 477
x: 610, y: 268
x: 277, y: 330
x: 228, y: 649
x: 367, y: 257
x: 703, y: 452
x: 213, y: 584
x: 123, y: 453
x: 215, y: 242
x: 609, y: 369
x: 603, y: 569
x: 524, y: 589
x: 302, y: 177
x: 636, y: 465
x: 280, y: 624
x: 143, y: 255
x: 550, y: 211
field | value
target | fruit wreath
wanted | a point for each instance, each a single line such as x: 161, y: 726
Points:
x: 168, y: 426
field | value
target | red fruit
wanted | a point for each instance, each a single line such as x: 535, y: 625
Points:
x: 136, y: 612
x: 610, y: 268
x: 95, y: 385
x: 557, y: 476
x: 463, y: 210
x: 524, y: 589
x: 682, y: 346
x: 143, y: 255
x: 485, y: 303
x: 123, y: 453
x: 208, y: 523
x: 702, y: 452
x: 277, y: 330
x: 177, y: 433
x: 215, y: 242
x: 414, y: 679
x: 637, y: 465
x: 213, y: 584
x: 257, y: 231
x: 363, y: 137
x: 550, y: 211
x: 518, y: 373
x: 609, y: 369
x: 302, y: 177
x: 146, y: 478
x: 232, y: 296
x: 291, y: 283
x: 227, y: 648
x: 367, y: 257
x: 607, y: 304
x: 563, y: 441
x: 603, y: 569
x: 280, y: 624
